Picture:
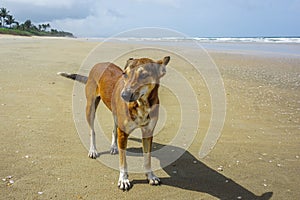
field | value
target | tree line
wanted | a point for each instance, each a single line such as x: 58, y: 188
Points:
x: 9, y: 25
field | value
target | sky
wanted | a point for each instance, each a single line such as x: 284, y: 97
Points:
x: 194, y: 18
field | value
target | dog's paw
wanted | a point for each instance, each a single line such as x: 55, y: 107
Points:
x: 93, y: 153
x: 113, y: 150
x: 123, y: 182
x: 152, y: 179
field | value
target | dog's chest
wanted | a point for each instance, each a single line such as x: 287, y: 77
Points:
x: 140, y: 112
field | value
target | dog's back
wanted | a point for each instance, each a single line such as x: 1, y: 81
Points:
x: 104, y: 76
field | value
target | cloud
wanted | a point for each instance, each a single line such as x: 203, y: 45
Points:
x: 197, y: 18
x: 102, y: 20
x: 102, y: 24
x: 106, y: 19
x: 44, y: 10
x: 45, y: 3
x: 172, y: 3
x: 114, y: 13
x: 95, y: 18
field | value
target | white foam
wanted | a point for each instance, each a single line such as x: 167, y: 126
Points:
x: 217, y: 39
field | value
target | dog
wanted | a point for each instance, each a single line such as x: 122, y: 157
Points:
x: 132, y: 97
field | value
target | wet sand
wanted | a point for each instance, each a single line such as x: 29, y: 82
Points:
x: 42, y: 156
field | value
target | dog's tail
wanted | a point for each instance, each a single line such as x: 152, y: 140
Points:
x: 76, y: 77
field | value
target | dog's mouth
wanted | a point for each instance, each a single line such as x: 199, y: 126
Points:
x: 130, y: 96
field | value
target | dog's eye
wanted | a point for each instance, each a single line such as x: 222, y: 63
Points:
x: 125, y: 75
x: 143, y: 76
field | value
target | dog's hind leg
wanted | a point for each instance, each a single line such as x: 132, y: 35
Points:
x: 91, y: 106
x: 90, y: 115
x: 114, y: 145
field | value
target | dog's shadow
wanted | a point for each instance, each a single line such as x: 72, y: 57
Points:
x: 188, y: 173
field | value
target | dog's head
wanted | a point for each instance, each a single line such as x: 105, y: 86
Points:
x: 141, y: 76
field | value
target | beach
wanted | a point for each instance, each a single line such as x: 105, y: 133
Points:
x: 43, y: 157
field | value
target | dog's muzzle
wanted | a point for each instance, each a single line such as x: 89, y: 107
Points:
x: 129, y: 96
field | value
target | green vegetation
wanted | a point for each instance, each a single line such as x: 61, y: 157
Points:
x: 8, y: 25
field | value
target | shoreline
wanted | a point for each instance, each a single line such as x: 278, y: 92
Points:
x: 234, y: 47
x: 268, y: 49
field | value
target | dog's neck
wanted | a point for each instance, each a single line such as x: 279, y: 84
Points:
x: 140, y: 109
x: 149, y: 98
x: 143, y: 101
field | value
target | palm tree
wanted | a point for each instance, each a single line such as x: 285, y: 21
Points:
x: 3, y: 14
x: 17, y: 24
x: 21, y: 27
x: 27, y: 24
x: 10, y: 20
x: 45, y: 26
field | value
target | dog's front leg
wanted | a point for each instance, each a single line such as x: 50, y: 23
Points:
x: 123, y: 182
x: 147, y: 148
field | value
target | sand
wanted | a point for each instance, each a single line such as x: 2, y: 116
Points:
x: 42, y: 156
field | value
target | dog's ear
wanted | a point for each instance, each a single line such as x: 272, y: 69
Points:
x: 128, y: 63
x: 162, y: 66
x: 164, y: 61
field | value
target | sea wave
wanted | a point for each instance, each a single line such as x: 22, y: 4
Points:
x: 218, y: 39
x: 253, y: 39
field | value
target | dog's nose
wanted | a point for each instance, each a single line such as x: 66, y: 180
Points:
x: 127, y: 95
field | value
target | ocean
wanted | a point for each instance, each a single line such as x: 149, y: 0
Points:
x: 284, y: 46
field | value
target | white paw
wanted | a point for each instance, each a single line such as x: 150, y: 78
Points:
x: 93, y: 153
x: 123, y: 182
x: 113, y: 150
x: 153, y: 180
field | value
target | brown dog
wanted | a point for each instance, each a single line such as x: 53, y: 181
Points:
x: 132, y: 96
